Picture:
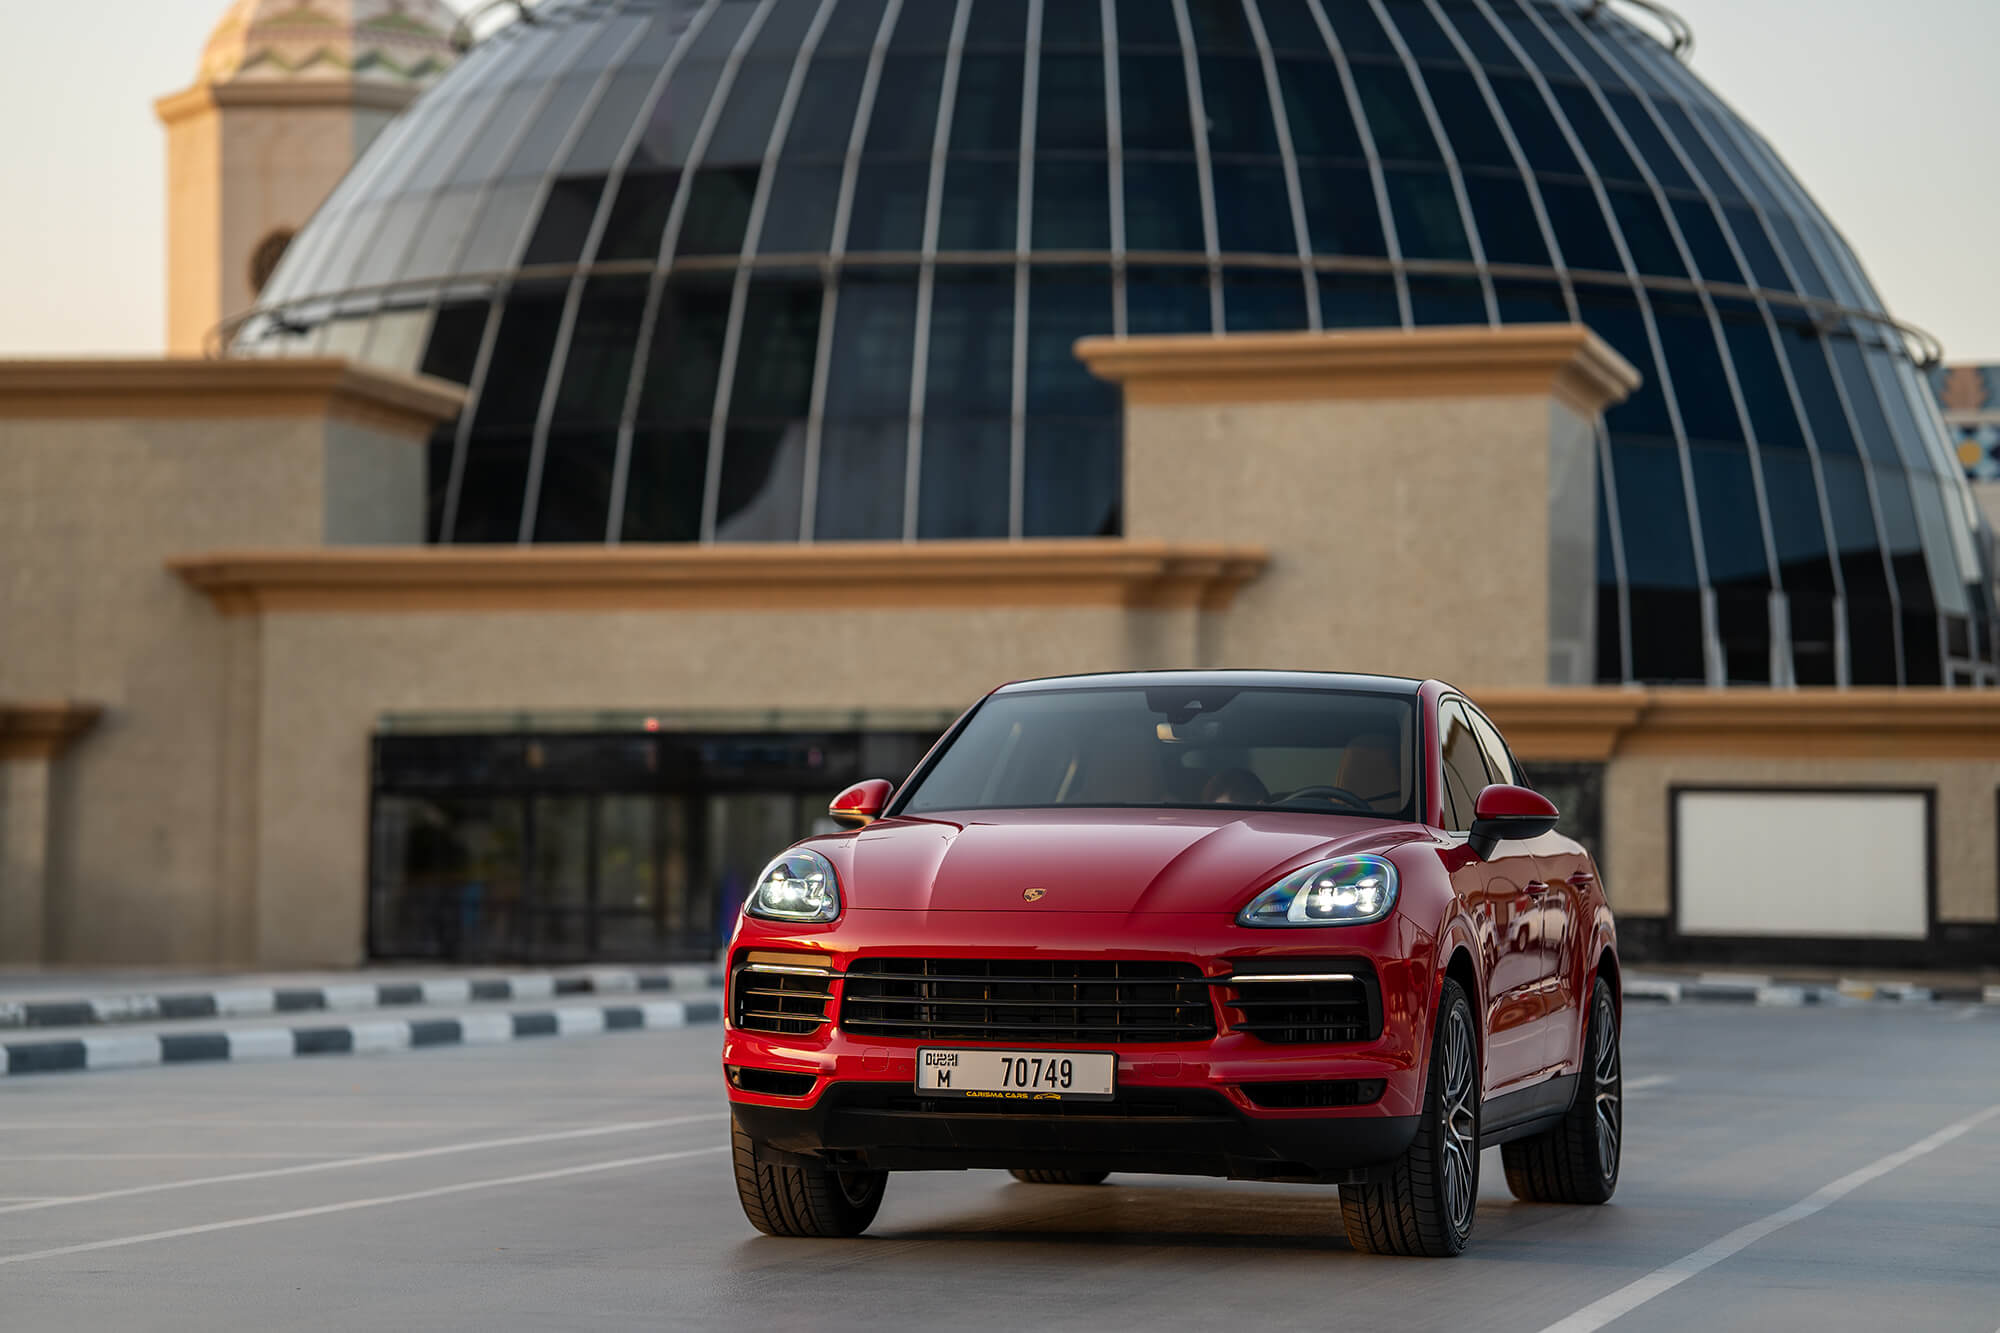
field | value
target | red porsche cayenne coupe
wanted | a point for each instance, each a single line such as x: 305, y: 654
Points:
x: 1259, y: 925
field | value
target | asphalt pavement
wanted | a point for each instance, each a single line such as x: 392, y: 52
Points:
x: 1821, y: 1168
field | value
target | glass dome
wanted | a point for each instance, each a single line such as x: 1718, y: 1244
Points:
x: 812, y: 269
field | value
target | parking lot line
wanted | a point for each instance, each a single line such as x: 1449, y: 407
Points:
x: 1661, y: 1280
x: 380, y: 1201
x: 370, y: 1159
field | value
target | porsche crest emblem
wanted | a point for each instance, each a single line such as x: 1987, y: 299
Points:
x: 1034, y: 895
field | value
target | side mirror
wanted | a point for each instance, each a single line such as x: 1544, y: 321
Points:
x: 1508, y: 814
x: 861, y: 805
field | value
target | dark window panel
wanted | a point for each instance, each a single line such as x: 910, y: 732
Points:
x: 1688, y: 339
x: 1654, y: 150
x: 1704, y: 238
x: 1871, y: 642
x: 889, y: 202
x: 1069, y: 112
x: 686, y: 354
x: 904, y: 120
x: 1428, y: 222
x: 676, y: 120
x: 1765, y: 265
x: 862, y: 468
x: 970, y: 369
x: 1706, y: 165
x: 565, y: 222
x: 1153, y: 102
x: 1435, y: 300
x: 1578, y: 220
x: 718, y: 209
x: 719, y: 36
x: 1725, y: 143
x: 1468, y: 122
x: 1395, y: 116
x: 1253, y: 211
x: 1802, y: 261
x: 1614, y: 313
x: 663, y: 486
x: 1072, y: 204
x: 744, y: 132
x: 1074, y: 473
x: 1263, y: 300
x: 437, y: 478
x: 454, y: 344
x: 1316, y: 111
x: 1486, y: 44
x: 1342, y: 213
x: 1906, y: 547
x: 1147, y: 23
x: 1358, y: 301
x: 1359, y: 31
x: 1544, y: 56
x: 1743, y: 623
x: 1581, y: 50
x: 987, y: 114
x: 1072, y: 25
x: 784, y: 31
x: 1806, y: 352
x: 980, y: 204
x: 536, y: 150
x: 1506, y: 219
x: 576, y: 486
x: 1063, y: 306
x: 1667, y: 636
x: 823, y: 120
x: 762, y: 484
x: 1167, y: 300
x: 1593, y: 130
x: 967, y: 477
x: 1763, y: 382
x: 1610, y: 638
x: 873, y: 346
x: 998, y: 23
x: 1921, y: 663
x: 799, y: 218
x: 924, y: 27
x: 1289, y: 25
x: 639, y: 215
x: 489, y: 148
x: 1607, y: 557
x: 1653, y: 513
x: 512, y: 396
x: 1731, y: 528
x: 598, y: 370
x: 1421, y: 33
x: 778, y: 349
x: 1876, y: 438
x: 493, y: 488
x: 1814, y: 630
x: 1163, y: 204
x: 1530, y: 302
x: 1219, y: 25
x: 1528, y: 114
x: 1238, y: 104
x: 1911, y: 436
x: 853, y: 27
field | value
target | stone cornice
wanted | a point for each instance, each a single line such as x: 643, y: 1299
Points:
x: 844, y: 575
x: 1602, y: 724
x: 1564, y: 361
x: 43, y: 729
x: 347, y: 93
x: 192, y: 388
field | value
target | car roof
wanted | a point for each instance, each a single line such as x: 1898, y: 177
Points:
x: 1352, y: 682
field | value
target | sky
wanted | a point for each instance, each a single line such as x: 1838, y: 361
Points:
x: 1886, y: 109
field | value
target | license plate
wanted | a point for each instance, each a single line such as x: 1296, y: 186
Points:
x: 1024, y: 1076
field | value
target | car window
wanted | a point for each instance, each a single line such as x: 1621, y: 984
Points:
x: 1499, y: 759
x: 1465, y: 771
x: 1321, y: 751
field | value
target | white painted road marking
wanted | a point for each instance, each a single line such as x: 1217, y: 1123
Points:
x: 372, y: 1159
x: 161, y: 1157
x: 120, y: 1242
x: 1661, y: 1280
x: 1650, y: 1081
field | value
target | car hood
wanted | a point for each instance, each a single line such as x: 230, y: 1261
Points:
x: 1090, y: 860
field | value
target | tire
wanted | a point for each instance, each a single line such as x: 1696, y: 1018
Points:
x: 803, y: 1200
x: 1060, y: 1177
x: 1577, y: 1161
x: 1423, y: 1205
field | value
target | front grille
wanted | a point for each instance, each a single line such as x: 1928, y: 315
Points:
x: 1026, y: 1000
x: 764, y: 998
x: 1315, y: 1094
x: 1343, y: 1006
x: 772, y: 1082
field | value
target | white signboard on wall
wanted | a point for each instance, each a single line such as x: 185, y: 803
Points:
x: 1802, y: 863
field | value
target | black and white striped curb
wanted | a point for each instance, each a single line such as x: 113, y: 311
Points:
x: 341, y: 997
x: 1774, y: 993
x: 135, y: 1050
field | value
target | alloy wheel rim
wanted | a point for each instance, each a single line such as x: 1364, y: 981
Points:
x: 1459, y: 1116
x: 1609, y: 1087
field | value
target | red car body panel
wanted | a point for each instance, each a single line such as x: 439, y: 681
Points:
x: 1528, y: 926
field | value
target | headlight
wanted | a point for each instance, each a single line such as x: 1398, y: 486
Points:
x: 798, y: 886
x: 1344, y: 891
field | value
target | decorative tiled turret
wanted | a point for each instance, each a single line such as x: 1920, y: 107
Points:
x: 382, y: 41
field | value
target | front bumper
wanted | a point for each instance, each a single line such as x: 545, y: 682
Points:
x: 1189, y: 1107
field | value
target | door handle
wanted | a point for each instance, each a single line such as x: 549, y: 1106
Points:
x: 1536, y: 888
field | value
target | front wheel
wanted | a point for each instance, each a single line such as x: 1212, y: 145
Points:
x: 1577, y: 1161
x: 809, y: 1200
x: 1424, y: 1203
x: 1060, y: 1177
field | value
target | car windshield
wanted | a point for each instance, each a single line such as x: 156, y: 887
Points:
x: 1325, y: 751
